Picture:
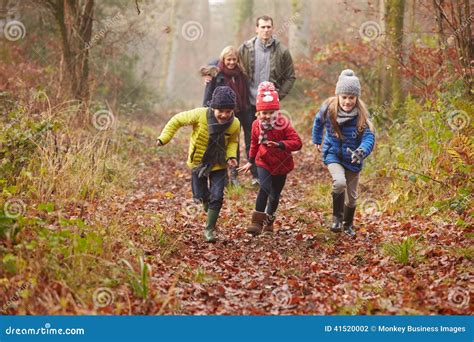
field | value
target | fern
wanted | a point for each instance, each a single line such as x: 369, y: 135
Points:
x: 401, y: 251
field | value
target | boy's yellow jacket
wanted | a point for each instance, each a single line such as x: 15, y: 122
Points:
x: 198, y: 143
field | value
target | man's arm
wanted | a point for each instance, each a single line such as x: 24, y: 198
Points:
x: 287, y: 75
x: 243, y: 57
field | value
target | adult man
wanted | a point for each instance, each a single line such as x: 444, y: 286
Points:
x: 264, y: 58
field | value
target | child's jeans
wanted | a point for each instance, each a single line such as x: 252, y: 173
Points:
x: 344, y: 181
x: 213, y: 195
x: 270, y: 190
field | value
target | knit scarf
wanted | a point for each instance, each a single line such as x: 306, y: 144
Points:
x: 235, y: 79
x: 343, y: 116
x: 216, y: 150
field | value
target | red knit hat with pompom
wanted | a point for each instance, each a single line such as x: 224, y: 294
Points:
x: 267, y: 97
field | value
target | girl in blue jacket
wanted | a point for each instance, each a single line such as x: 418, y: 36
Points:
x: 348, y: 140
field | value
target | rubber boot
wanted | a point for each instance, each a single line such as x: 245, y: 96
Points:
x: 348, y: 221
x: 255, y: 228
x: 268, y: 223
x: 210, y: 230
x: 337, y: 212
x: 205, y: 206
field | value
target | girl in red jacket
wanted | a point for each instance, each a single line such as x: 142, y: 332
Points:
x: 273, y: 140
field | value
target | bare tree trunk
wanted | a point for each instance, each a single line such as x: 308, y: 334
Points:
x: 166, y: 61
x: 74, y: 19
x: 439, y: 21
x: 384, y: 80
x: 3, y: 11
x: 395, y: 14
x: 244, y: 21
x: 85, y: 35
x: 205, y: 19
x: 299, y: 28
x: 173, y: 49
x: 464, y: 39
x: 459, y: 22
x: 469, y: 20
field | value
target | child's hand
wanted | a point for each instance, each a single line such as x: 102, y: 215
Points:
x: 318, y: 147
x: 245, y: 168
x: 159, y: 143
x: 232, y: 162
x: 270, y: 143
x: 356, y: 156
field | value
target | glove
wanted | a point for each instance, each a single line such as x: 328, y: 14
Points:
x: 357, y: 156
x: 209, y: 70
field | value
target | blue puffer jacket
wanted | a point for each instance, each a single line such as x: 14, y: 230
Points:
x: 335, y: 150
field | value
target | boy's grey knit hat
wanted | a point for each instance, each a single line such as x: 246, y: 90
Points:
x: 348, y: 83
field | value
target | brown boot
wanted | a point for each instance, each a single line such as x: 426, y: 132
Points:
x: 256, y: 226
x: 268, y: 223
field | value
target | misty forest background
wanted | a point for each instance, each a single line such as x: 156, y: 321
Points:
x: 95, y: 219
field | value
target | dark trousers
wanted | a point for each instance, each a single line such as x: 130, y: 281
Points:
x: 270, y: 190
x: 210, y: 189
x: 246, y: 119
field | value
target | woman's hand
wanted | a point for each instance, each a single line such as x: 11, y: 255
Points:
x: 159, y: 143
x: 207, y: 79
x: 232, y: 162
x: 318, y: 147
x: 245, y: 168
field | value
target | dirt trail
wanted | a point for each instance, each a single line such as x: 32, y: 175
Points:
x: 302, y: 268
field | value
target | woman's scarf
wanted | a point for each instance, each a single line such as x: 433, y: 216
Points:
x: 235, y: 79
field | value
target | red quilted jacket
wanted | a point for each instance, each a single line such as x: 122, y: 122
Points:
x: 275, y: 160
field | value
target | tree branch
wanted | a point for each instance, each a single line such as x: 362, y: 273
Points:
x: 421, y: 174
x: 138, y: 8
